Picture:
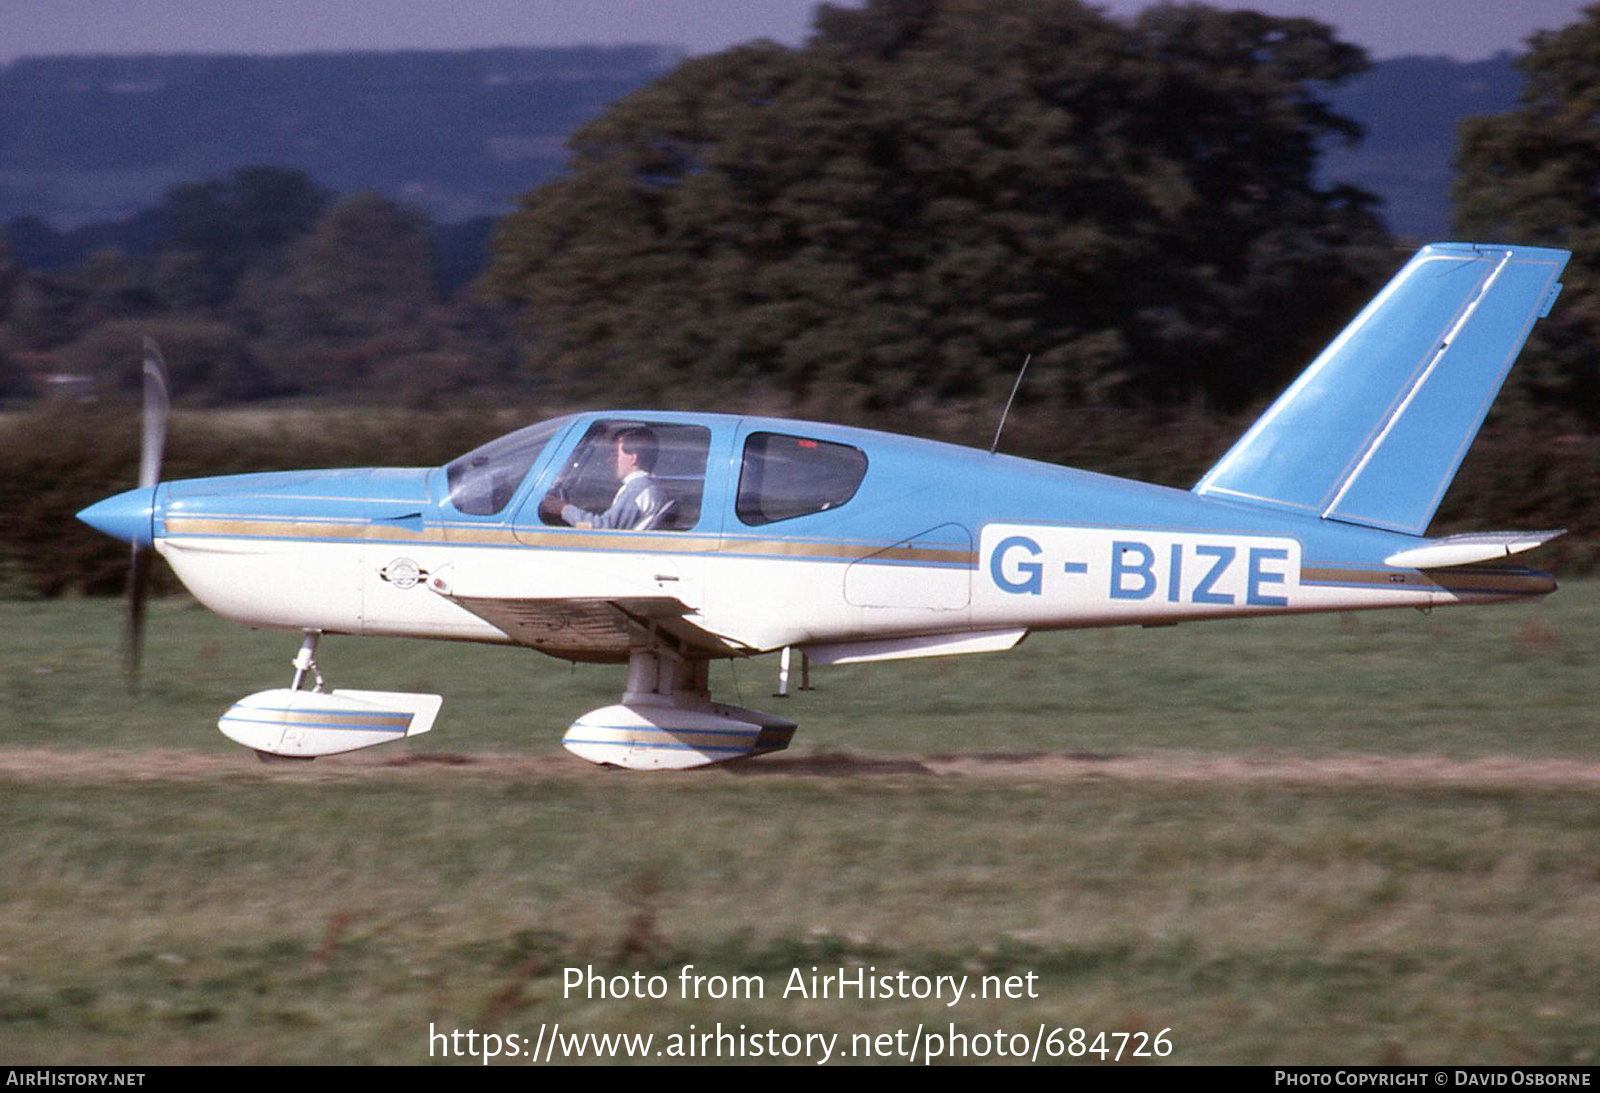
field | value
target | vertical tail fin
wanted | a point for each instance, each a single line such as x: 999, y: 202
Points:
x: 1374, y: 431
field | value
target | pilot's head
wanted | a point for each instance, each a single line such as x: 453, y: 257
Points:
x: 636, y: 450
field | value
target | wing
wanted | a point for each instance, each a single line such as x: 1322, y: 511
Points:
x: 599, y: 628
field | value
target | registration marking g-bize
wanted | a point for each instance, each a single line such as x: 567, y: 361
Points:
x: 1138, y: 569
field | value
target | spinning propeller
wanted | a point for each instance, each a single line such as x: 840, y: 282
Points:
x: 157, y: 405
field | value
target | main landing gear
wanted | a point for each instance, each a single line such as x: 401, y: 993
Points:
x: 667, y: 720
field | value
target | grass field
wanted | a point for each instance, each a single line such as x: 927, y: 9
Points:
x: 1357, y: 839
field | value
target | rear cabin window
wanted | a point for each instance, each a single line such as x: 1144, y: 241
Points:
x: 787, y: 476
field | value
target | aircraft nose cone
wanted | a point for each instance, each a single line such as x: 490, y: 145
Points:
x: 128, y: 516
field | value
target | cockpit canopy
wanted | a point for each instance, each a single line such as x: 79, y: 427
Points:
x: 781, y: 475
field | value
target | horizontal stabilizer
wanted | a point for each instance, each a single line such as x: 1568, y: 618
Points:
x: 1481, y: 546
x: 1374, y: 430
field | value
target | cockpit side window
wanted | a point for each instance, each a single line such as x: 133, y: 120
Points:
x: 482, y: 482
x: 664, y: 496
x: 783, y: 477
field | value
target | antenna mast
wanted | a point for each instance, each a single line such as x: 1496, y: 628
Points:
x: 1023, y: 371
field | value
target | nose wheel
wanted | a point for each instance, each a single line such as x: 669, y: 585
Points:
x: 300, y: 722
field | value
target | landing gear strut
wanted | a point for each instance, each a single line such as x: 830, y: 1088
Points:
x: 306, y: 661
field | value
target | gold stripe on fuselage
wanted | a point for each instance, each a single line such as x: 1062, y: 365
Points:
x: 633, y: 542
x: 1480, y: 579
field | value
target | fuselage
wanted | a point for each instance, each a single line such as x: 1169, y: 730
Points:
x: 785, y: 533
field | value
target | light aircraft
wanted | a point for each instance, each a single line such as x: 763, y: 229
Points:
x: 849, y: 545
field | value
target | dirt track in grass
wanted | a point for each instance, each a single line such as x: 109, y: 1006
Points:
x: 46, y: 764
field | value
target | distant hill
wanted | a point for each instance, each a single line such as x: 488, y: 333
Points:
x: 462, y: 134
x: 1411, y: 108
x: 457, y: 134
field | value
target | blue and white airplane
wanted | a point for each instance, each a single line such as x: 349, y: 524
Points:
x: 668, y: 540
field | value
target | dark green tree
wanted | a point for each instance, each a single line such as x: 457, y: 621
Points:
x: 236, y: 223
x: 113, y: 288
x: 1532, y: 175
x: 8, y: 275
x: 12, y: 380
x: 350, y: 297
x: 43, y: 313
x: 367, y: 264
x: 930, y: 189
x: 210, y: 362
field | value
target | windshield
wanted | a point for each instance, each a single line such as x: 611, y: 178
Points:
x: 483, y: 481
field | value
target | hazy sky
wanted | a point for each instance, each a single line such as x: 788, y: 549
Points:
x: 1466, y: 29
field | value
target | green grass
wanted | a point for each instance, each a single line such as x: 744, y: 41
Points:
x: 168, y: 899
x: 1460, y: 682
x: 262, y: 918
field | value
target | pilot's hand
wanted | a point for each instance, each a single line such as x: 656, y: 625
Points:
x: 550, y: 506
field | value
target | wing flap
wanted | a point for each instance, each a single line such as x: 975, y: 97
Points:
x: 597, y: 628
x: 927, y: 645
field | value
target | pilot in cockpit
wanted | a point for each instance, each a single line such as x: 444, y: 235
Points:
x: 640, y: 503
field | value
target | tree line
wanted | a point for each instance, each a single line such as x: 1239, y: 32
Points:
x: 931, y: 190
x: 885, y: 220
x: 261, y: 285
